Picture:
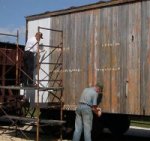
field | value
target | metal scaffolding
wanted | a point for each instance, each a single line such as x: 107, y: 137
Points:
x: 10, y: 62
x: 49, y: 81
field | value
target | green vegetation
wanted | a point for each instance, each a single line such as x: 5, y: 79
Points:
x: 144, y: 124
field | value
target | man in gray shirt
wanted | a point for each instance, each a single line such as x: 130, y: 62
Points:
x: 84, y: 114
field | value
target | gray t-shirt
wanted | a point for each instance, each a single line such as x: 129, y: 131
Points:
x: 89, y: 96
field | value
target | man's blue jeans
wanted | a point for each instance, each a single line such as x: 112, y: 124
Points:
x: 84, y: 119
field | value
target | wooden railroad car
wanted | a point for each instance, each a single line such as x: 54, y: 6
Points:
x: 107, y: 42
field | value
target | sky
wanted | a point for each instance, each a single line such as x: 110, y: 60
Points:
x: 13, y: 13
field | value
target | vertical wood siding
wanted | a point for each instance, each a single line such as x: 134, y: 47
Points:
x: 145, y: 58
x: 110, y: 45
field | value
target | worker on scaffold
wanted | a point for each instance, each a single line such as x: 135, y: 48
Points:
x: 31, y: 50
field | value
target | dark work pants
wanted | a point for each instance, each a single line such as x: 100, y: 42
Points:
x: 28, y: 68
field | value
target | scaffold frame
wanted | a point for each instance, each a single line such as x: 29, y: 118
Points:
x: 54, y: 83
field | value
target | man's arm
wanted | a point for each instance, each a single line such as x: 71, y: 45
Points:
x: 96, y: 110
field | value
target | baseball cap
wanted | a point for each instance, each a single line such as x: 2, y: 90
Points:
x: 41, y: 35
x: 100, y: 85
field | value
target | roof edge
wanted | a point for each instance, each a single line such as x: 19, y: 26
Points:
x: 70, y: 10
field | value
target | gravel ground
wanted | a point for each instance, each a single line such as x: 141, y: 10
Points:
x: 28, y: 135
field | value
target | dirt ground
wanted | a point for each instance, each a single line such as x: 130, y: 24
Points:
x: 28, y: 135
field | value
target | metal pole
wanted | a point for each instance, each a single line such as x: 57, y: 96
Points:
x: 17, y: 58
x: 37, y: 107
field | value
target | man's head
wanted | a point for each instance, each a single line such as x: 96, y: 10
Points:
x: 99, y: 87
x: 39, y: 36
